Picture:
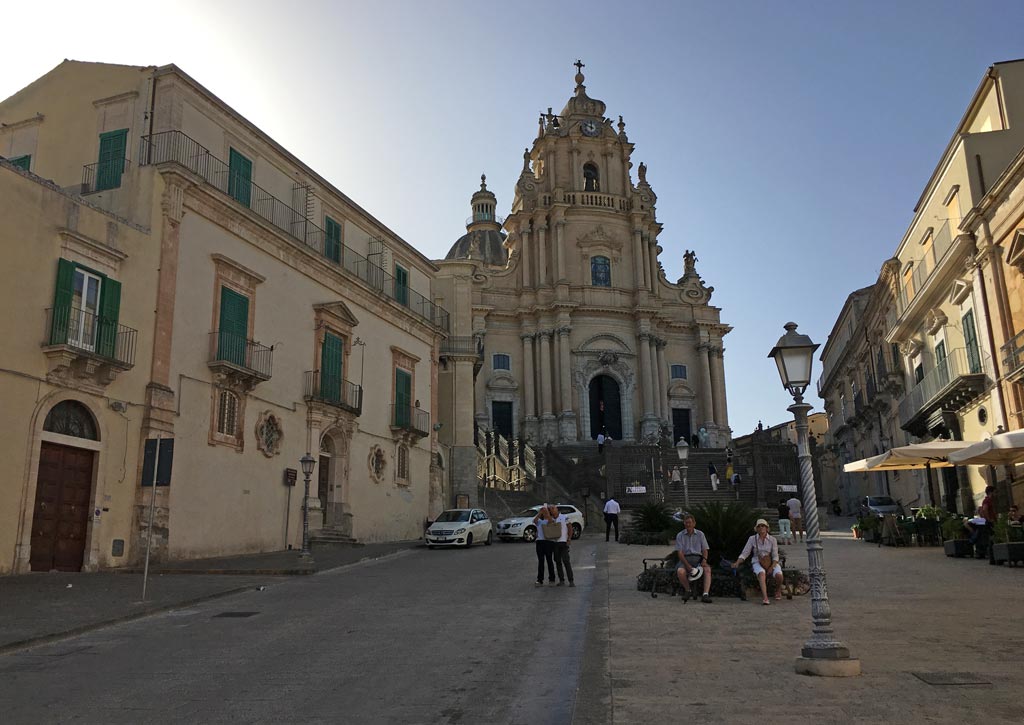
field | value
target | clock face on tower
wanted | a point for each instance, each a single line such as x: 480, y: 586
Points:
x: 589, y: 128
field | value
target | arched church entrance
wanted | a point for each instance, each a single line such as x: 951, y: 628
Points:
x: 63, y: 500
x: 605, y: 407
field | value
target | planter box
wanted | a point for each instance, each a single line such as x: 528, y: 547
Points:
x: 959, y: 548
x: 1012, y: 553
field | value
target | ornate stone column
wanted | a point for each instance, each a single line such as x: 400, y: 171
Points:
x: 526, y: 254
x: 481, y: 415
x: 560, y: 250
x: 567, y: 418
x: 707, y: 410
x: 655, y: 378
x: 645, y: 260
x: 542, y: 256
x: 648, y: 421
x: 548, y: 423
x: 665, y: 413
x: 638, y: 260
x: 718, y: 386
x: 653, y: 257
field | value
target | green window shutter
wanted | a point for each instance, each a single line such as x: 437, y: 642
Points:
x: 971, y: 343
x: 403, y: 398
x: 22, y: 162
x: 239, y: 177
x: 113, y: 146
x: 62, y: 296
x: 110, y: 305
x: 234, y: 327
x: 331, y: 373
x: 401, y: 285
x: 332, y: 240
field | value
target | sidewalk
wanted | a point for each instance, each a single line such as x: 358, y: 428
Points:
x: 40, y: 607
x: 901, y: 611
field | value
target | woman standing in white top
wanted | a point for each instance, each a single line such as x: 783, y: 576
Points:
x: 764, y: 549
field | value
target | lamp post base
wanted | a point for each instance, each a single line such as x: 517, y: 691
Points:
x: 817, y: 667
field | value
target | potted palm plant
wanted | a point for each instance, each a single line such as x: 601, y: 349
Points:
x: 1009, y: 542
x: 954, y: 541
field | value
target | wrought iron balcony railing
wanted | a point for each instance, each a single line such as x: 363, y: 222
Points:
x: 462, y: 345
x: 410, y: 418
x: 176, y: 147
x: 953, y: 382
x: 90, y: 333
x: 485, y: 217
x: 924, y: 267
x: 1013, y: 357
x: 103, y: 175
x: 333, y: 391
x: 246, y: 356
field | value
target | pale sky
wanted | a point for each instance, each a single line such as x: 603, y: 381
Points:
x: 787, y: 141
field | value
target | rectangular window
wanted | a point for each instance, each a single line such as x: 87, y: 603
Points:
x: 501, y: 361
x: 239, y: 177
x: 112, y: 157
x: 332, y: 239
x: 600, y: 272
x: 941, y: 363
x: 908, y: 283
x: 401, y: 285
x: 971, y: 343
x: 403, y: 398
x: 233, y: 330
x: 677, y: 372
x: 86, y: 307
x: 22, y: 162
x: 918, y: 372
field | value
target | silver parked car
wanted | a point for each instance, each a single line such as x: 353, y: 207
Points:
x: 878, y: 506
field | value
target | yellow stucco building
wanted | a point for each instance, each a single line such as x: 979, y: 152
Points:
x: 184, y: 277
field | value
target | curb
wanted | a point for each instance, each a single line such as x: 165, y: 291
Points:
x: 223, y: 572
x: 74, y: 631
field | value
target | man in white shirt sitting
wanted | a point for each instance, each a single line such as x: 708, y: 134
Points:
x: 611, y: 518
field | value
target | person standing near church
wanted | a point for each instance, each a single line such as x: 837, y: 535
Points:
x: 600, y: 441
x: 611, y: 518
x: 713, y: 474
x: 796, y: 518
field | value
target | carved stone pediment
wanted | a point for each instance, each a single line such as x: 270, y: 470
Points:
x: 339, y: 311
x: 961, y: 291
x: 1015, y: 252
x: 598, y: 240
x: 911, y: 347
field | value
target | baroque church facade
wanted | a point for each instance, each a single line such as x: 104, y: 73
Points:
x: 576, y: 328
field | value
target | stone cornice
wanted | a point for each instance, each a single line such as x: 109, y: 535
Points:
x: 15, y: 125
x: 110, y: 100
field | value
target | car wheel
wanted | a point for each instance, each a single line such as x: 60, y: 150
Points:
x: 469, y: 540
x: 530, y: 533
x: 576, y: 531
x: 490, y: 538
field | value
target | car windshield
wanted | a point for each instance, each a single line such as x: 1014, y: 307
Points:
x: 451, y: 516
x: 880, y: 501
x: 529, y: 513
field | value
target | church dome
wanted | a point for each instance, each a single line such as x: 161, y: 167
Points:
x: 483, y: 239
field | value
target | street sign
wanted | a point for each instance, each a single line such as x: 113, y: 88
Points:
x: 291, y: 475
x: 786, y: 488
x: 636, y: 489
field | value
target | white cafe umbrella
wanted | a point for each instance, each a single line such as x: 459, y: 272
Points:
x: 934, y: 454
x: 1003, y: 449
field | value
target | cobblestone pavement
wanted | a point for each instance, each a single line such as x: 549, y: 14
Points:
x: 901, y: 611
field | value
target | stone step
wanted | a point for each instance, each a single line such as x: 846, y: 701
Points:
x: 331, y: 536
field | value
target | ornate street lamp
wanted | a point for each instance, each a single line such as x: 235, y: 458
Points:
x: 822, y: 654
x: 683, y: 451
x: 307, y: 462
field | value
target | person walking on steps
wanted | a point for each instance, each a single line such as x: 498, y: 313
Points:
x: 713, y: 474
x: 611, y: 518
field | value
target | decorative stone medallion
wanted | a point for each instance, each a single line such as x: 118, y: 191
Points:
x: 377, y: 462
x: 269, y: 434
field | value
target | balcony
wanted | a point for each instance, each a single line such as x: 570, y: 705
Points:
x: 410, y: 419
x: 174, y: 147
x: 924, y: 268
x: 82, y: 344
x: 337, y: 393
x: 462, y: 345
x: 239, y: 362
x: 485, y: 217
x: 1013, y: 358
x: 951, y: 384
x: 103, y: 175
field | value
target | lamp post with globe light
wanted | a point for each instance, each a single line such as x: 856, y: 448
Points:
x: 683, y: 451
x: 822, y: 654
x: 307, y: 462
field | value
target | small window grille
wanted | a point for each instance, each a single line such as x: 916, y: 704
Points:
x: 227, y: 414
x: 403, y: 462
x: 678, y: 372
x: 501, y: 361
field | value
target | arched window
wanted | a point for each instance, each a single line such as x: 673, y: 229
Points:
x: 227, y: 413
x: 71, y: 418
x: 600, y: 272
x: 591, y: 178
